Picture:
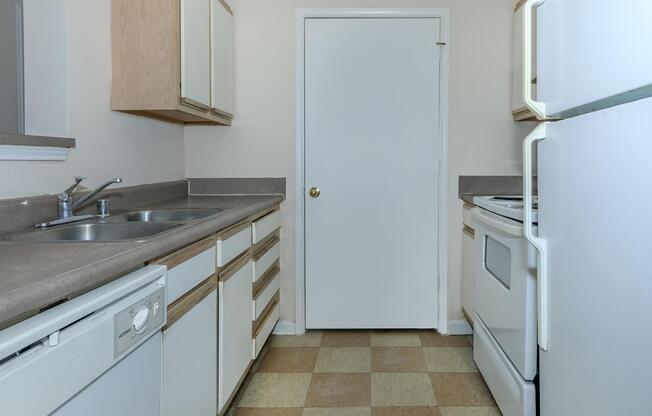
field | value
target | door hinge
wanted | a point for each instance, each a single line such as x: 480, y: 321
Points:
x: 438, y: 167
x: 440, y: 43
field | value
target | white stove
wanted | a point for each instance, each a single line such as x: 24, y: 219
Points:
x: 506, y: 206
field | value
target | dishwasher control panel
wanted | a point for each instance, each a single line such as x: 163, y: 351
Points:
x: 138, y: 321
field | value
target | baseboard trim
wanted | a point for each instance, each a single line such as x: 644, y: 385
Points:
x: 284, y: 328
x: 459, y: 327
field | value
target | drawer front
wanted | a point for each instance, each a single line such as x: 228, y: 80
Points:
x: 466, y: 216
x: 514, y: 395
x: 265, y: 296
x: 266, y: 225
x: 189, y: 274
x: 266, y: 260
x: 264, y: 331
x: 229, y: 248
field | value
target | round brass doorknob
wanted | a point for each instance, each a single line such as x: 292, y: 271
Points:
x: 314, y: 192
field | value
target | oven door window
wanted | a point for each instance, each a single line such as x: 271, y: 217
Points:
x: 498, y: 261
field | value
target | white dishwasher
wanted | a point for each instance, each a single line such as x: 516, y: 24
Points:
x: 98, y: 354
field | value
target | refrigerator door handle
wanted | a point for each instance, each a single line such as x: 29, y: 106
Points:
x: 538, y: 108
x: 539, y: 133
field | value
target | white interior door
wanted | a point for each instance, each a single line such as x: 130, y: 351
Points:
x: 371, y: 147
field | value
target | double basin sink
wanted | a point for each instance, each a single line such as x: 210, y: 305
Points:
x: 133, y: 225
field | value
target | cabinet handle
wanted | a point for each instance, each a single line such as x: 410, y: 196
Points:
x: 539, y: 133
x: 538, y: 108
x: 314, y: 192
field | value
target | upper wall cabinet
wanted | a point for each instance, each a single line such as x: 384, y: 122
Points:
x: 222, y: 80
x: 173, y: 59
x: 520, y: 112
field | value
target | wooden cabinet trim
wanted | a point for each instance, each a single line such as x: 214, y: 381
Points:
x: 186, y: 253
x: 226, y: 272
x: 230, y: 11
x: 266, y: 279
x: 264, y: 246
x: 232, y: 230
x: 257, y: 216
x: 258, y: 323
x: 519, y: 4
x: 468, y: 231
x: 194, y: 104
x: 222, y: 113
x: 185, y: 303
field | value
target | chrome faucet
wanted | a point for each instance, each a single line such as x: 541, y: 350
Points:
x: 66, y: 207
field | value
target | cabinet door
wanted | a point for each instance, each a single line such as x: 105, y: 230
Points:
x: 190, y: 362
x: 222, y: 85
x: 234, y: 331
x: 468, y: 266
x: 195, y: 53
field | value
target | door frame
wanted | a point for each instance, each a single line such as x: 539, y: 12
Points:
x: 299, y: 186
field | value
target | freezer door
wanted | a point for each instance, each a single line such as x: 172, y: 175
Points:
x: 590, y: 50
x: 595, y: 192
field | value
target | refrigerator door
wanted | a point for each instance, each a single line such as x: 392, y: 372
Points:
x: 595, y: 193
x: 589, y: 50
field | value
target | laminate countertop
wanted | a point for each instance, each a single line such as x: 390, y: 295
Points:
x: 36, y: 275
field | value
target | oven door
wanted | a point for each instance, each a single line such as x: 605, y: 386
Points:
x: 505, y: 288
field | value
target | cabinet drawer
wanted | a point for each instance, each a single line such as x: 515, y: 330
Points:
x: 263, y: 332
x: 514, y: 395
x: 265, y: 256
x: 263, y: 294
x: 266, y: 225
x: 188, y: 267
x: 232, y: 242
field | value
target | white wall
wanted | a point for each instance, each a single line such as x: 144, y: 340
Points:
x: 482, y: 137
x: 109, y: 144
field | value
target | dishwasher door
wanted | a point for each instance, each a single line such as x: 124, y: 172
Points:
x: 130, y: 388
x: 98, y: 354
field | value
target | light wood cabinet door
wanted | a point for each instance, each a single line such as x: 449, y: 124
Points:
x: 195, y: 53
x: 234, y: 331
x: 190, y: 361
x: 222, y: 68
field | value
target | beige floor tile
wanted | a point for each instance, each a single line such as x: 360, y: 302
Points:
x: 343, y: 360
x: 395, y: 339
x: 397, y: 359
x: 309, y: 339
x: 401, y: 389
x: 433, y: 339
x: 352, y: 338
x: 469, y: 411
x: 268, y: 412
x: 276, y: 390
x: 449, y: 360
x: 289, y: 360
x: 337, y: 411
x: 404, y: 411
x: 461, y: 389
x: 339, y: 390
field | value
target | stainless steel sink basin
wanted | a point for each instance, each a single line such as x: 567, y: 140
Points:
x: 163, y: 215
x: 96, y: 232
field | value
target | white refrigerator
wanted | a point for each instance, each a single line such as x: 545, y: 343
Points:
x: 594, y: 166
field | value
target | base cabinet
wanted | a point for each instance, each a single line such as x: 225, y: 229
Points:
x: 468, y: 265
x: 190, y: 361
x: 234, y: 329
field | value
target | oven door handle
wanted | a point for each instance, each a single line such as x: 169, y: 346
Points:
x: 478, y: 214
x: 539, y: 133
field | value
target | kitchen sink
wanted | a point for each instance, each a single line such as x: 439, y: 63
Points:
x: 163, y: 215
x: 96, y: 232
